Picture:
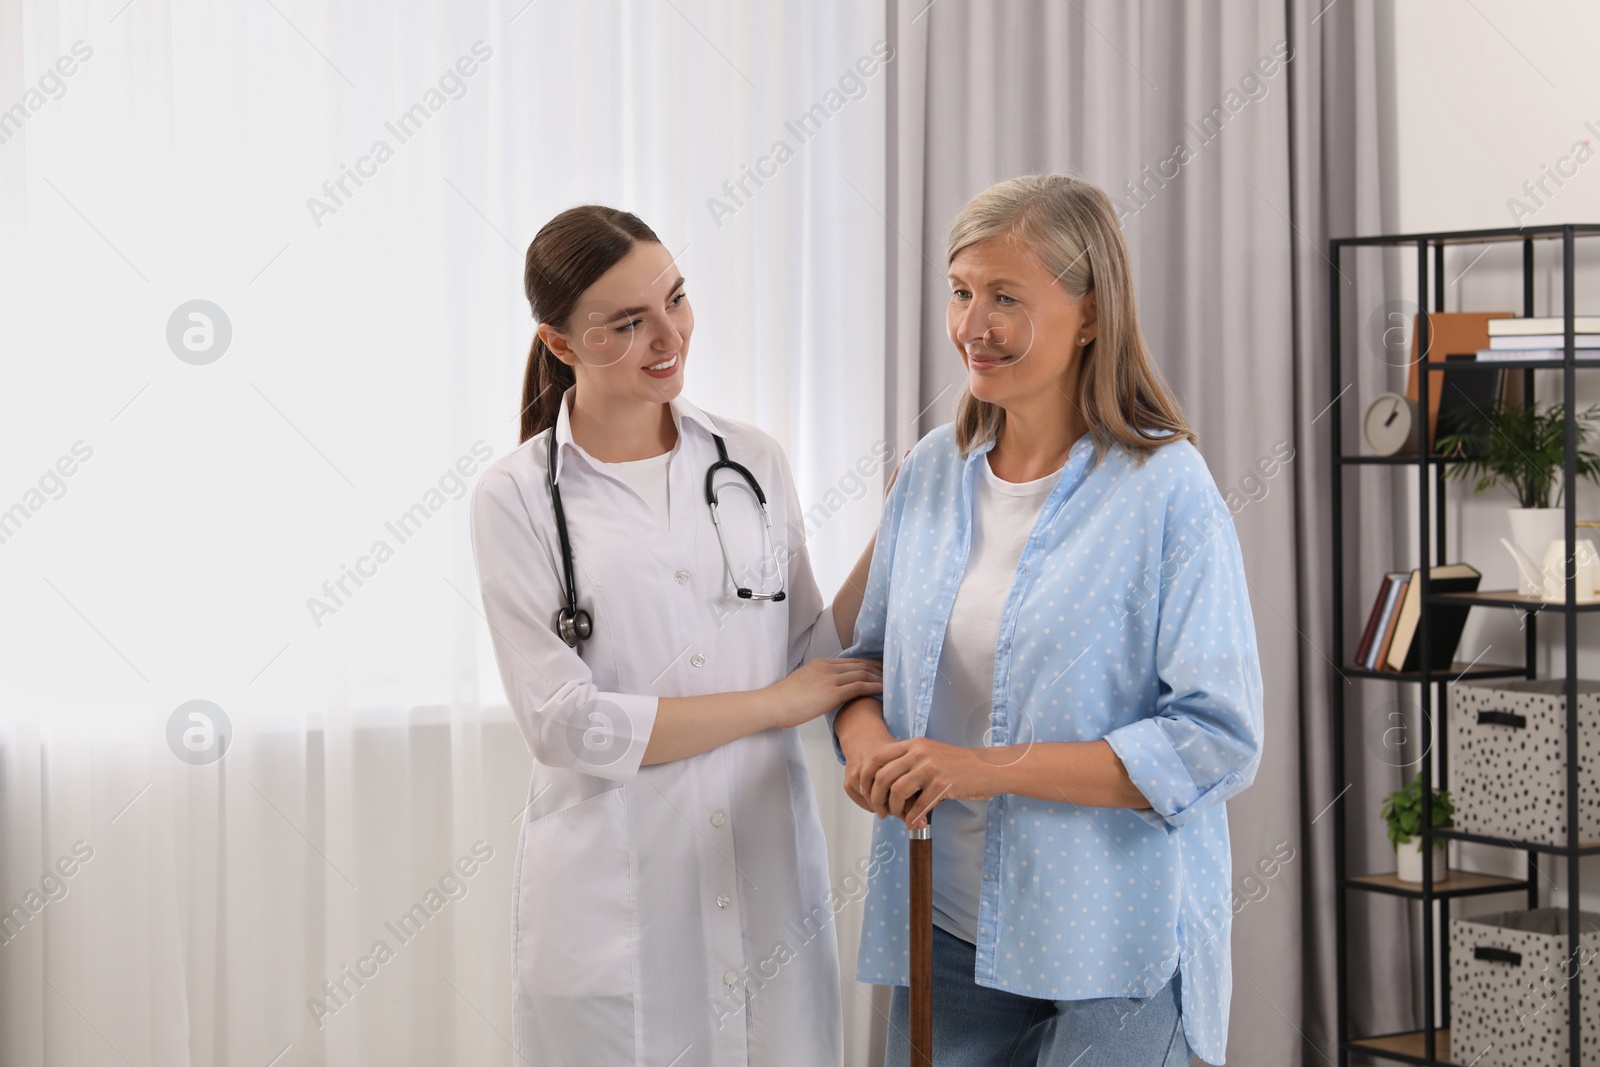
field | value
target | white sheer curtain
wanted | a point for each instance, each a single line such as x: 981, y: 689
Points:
x: 277, y: 525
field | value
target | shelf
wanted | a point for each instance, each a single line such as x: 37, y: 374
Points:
x: 1408, y: 1047
x: 1585, y: 848
x: 1458, y: 669
x: 1430, y: 495
x: 1455, y: 884
x: 1507, y: 598
x: 1497, y: 235
x: 1580, y: 362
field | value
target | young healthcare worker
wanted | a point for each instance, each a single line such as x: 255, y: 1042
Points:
x: 658, y: 631
x: 1071, y: 684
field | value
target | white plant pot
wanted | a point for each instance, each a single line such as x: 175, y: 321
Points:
x: 1408, y: 858
x: 1533, y: 530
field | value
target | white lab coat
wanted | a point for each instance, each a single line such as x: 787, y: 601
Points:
x: 677, y: 913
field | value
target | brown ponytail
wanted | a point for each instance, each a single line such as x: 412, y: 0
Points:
x: 569, y: 254
x: 543, y: 384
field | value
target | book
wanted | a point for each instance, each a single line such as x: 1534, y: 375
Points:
x: 1543, y: 340
x: 1452, y: 333
x: 1493, y: 355
x: 1445, y: 621
x: 1550, y: 324
x: 1391, y: 615
x: 1364, y: 647
x: 1469, y: 393
x: 1385, y: 619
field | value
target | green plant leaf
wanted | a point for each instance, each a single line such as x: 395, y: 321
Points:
x: 1402, y: 811
x: 1521, y: 448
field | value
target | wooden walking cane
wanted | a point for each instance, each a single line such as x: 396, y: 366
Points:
x: 922, y: 944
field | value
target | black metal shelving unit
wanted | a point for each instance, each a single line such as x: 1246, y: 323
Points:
x: 1430, y: 1045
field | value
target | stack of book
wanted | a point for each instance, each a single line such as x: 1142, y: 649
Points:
x: 1389, y: 641
x: 1540, y: 338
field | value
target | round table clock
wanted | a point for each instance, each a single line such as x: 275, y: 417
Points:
x: 1390, y: 425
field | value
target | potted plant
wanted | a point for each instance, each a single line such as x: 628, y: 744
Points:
x: 1402, y: 813
x: 1523, y: 449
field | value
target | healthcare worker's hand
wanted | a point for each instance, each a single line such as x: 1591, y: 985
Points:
x: 820, y: 686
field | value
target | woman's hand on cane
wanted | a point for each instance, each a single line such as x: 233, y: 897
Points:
x: 861, y: 733
x: 904, y: 774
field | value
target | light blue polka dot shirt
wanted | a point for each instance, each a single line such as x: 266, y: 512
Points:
x: 1128, y: 619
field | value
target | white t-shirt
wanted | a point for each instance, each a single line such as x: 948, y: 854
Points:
x: 1003, y: 515
x: 647, y: 477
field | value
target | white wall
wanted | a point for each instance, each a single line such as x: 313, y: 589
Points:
x: 1490, y: 95
x: 1487, y: 93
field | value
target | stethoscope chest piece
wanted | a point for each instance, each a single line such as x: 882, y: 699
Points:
x: 574, y: 625
x: 572, y: 622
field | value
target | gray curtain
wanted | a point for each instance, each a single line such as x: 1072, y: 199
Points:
x: 1228, y: 242
x: 1343, y: 153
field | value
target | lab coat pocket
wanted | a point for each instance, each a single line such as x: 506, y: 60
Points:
x: 576, y: 928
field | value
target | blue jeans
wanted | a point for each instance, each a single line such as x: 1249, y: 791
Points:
x: 975, y: 1026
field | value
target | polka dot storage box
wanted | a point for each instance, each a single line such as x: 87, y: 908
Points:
x: 1508, y: 988
x: 1508, y: 759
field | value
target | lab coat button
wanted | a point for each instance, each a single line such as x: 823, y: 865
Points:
x: 722, y: 900
x: 717, y: 818
x: 730, y: 978
x: 682, y: 577
x: 698, y: 659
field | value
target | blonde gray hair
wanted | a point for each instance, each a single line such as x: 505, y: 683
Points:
x: 1071, y: 228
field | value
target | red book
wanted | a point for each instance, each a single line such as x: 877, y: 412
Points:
x: 1372, y: 621
x: 1389, y: 627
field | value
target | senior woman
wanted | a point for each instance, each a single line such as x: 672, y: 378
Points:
x: 1071, y: 683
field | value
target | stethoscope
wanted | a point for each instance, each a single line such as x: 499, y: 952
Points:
x: 574, y: 624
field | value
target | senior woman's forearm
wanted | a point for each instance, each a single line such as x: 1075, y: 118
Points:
x: 860, y: 720
x: 1088, y: 773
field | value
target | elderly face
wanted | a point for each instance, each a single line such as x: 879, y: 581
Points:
x: 1016, y: 328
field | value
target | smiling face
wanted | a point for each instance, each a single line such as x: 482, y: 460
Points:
x: 1017, y: 330
x: 628, y: 336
